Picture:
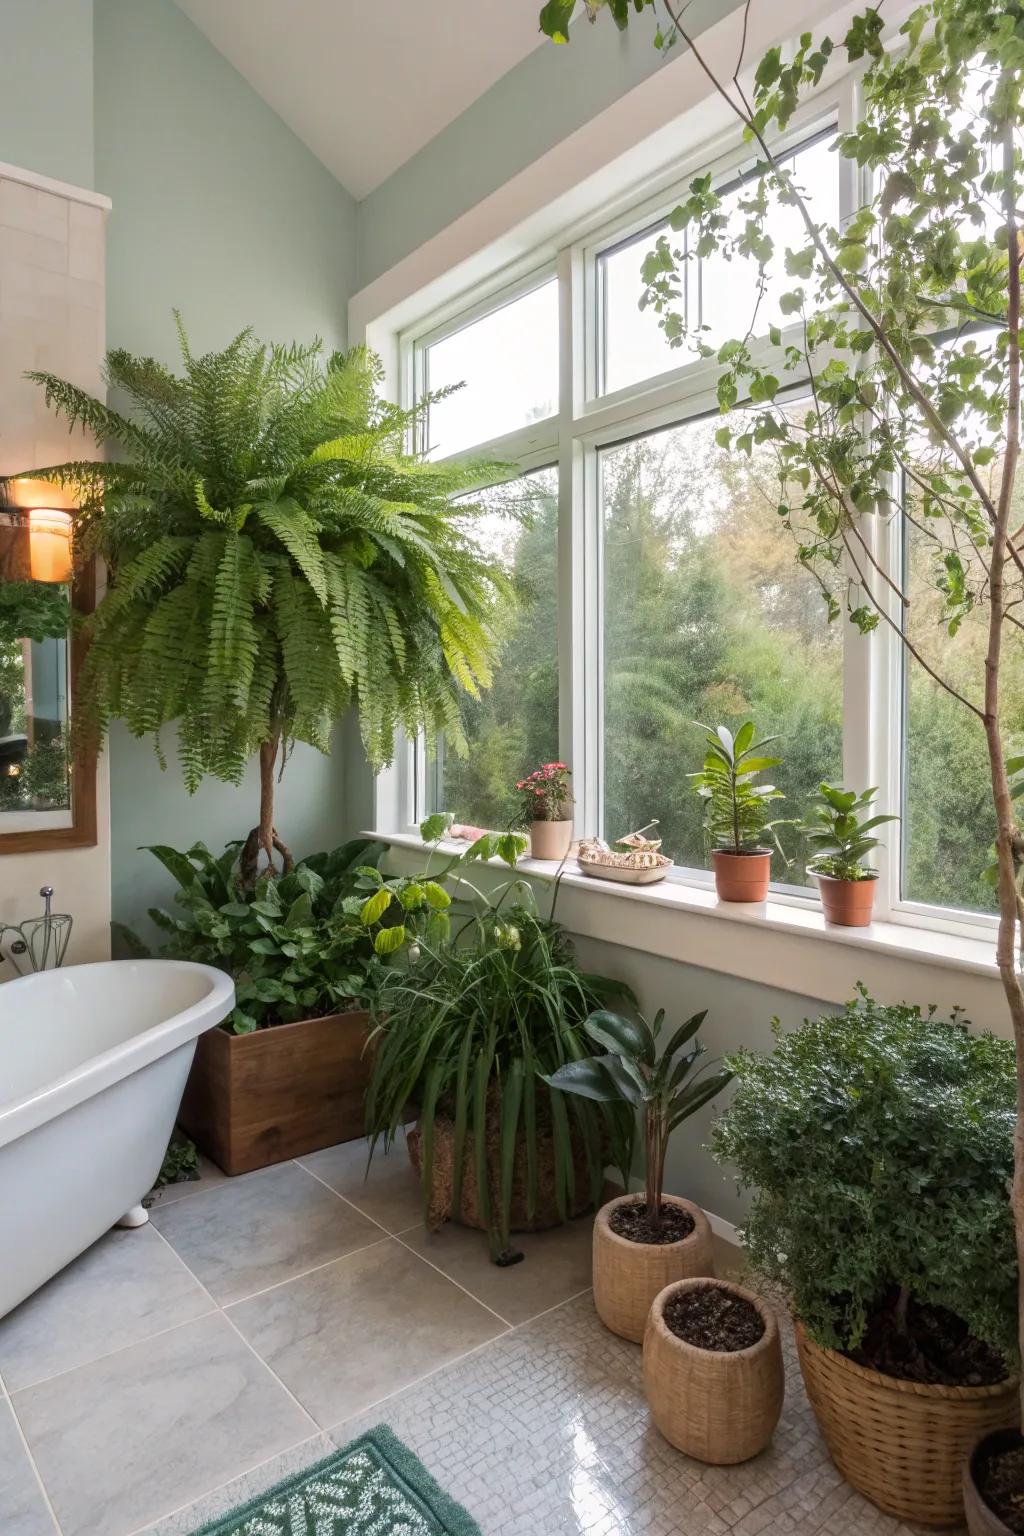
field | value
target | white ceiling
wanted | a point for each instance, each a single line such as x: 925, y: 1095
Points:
x: 365, y: 83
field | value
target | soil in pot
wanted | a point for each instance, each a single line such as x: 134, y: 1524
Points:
x: 711, y: 1318
x: 933, y: 1347
x: 633, y: 1222
x: 997, y: 1468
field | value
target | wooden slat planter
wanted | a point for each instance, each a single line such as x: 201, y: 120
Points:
x: 262, y: 1098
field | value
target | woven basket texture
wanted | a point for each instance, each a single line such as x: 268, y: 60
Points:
x: 628, y: 1276
x: 720, y: 1407
x: 900, y: 1443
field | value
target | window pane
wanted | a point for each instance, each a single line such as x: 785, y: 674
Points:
x: 949, y: 820
x: 634, y: 345
x: 707, y: 617
x: 513, y: 726
x: 508, y: 363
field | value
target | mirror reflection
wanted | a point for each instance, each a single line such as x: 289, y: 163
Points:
x: 34, y: 674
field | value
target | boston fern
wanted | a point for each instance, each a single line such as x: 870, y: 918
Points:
x: 275, y: 557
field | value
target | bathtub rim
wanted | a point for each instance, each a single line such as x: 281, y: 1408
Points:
x: 20, y: 1116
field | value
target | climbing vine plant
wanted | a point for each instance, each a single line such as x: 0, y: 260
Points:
x: 275, y: 557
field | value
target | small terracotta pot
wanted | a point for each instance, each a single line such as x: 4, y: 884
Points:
x: 718, y: 1406
x: 628, y: 1275
x: 742, y: 876
x: 847, y: 903
x: 981, y: 1521
x: 550, y: 839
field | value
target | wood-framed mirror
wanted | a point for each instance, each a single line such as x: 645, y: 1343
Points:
x: 47, y: 788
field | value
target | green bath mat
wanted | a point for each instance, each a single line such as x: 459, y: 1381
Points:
x: 373, y: 1487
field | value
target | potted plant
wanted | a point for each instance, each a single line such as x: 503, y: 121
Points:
x: 466, y: 1029
x: 713, y: 1373
x: 736, y: 810
x: 286, y: 1072
x: 546, y: 798
x: 878, y: 1144
x: 643, y: 1243
x: 842, y: 842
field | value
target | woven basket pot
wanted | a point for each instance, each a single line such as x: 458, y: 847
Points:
x: 902, y: 1445
x: 981, y: 1521
x: 628, y: 1276
x: 717, y: 1406
x: 440, y: 1209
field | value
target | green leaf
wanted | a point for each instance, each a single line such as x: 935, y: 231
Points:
x: 436, y: 827
x: 375, y: 906
x: 627, y: 1037
x: 685, y: 1032
x: 388, y: 940
x: 436, y: 896
x: 555, y: 17
x: 585, y: 1077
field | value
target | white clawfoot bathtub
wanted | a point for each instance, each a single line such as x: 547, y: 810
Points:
x: 93, y: 1062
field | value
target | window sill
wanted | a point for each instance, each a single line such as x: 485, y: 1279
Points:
x: 785, y: 944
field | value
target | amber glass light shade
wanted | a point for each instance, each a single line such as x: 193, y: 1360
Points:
x: 49, y: 538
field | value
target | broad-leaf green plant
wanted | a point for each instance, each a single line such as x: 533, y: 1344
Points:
x: 839, y: 831
x: 633, y: 1072
x: 878, y: 1144
x: 276, y: 558
x: 736, y: 805
x: 33, y: 610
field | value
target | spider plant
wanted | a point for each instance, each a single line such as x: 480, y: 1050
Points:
x: 469, y: 1032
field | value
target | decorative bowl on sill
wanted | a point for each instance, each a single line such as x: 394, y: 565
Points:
x: 633, y: 860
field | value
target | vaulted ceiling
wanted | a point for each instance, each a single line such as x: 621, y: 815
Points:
x: 364, y: 83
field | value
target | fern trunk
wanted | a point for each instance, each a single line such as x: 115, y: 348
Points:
x: 264, y: 836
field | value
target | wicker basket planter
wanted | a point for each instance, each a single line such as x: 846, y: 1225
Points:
x: 902, y: 1445
x: 981, y: 1521
x: 717, y: 1406
x: 546, y: 1215
x: 628, y: 1275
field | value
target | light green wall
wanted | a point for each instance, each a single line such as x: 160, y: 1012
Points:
x: 46, y: 86
x: 219, y: 211
x: 549, y: 95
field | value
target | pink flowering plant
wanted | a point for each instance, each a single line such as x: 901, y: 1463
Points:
x: 546, y: 793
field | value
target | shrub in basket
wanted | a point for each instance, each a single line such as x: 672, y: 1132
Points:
x: 842, y: 840
x: 641, y: 1243
x: 879, y: 1146
x: 736, y: 810
x: 465, y: 1030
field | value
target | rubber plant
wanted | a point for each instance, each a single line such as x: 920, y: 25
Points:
x: 275, y: 558
x: 903, y: 326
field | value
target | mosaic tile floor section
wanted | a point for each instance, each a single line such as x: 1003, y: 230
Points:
x: 173, y: 1373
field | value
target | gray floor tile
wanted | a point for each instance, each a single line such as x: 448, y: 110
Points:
x: 267, y: 1228
x: 209, y: 1177
x: 556, y: 1265
x: 241, y: 1489
x: 130, y: 1438
x: 23, y: 1510
x: 349, y: 1334
x: 124, y: 1288
x: 388, y: 1190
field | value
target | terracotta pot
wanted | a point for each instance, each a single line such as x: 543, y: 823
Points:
x: 742, y: 876
x: 847, y: 903
x: 439, y: 1209
x: 628, y: 1275
x: 550, y: 839
x: 980, y: 1519
x: 277, y: 1093
x: 901, y: 1444
x: 718, y: 1406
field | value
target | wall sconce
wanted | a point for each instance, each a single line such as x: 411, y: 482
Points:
x: 49, y: 544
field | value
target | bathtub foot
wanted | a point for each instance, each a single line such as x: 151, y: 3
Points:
x: 136, y: 1217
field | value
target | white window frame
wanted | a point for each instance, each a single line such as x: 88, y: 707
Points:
x: 587, y: 421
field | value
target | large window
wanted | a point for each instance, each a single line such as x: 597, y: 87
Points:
x: 513, y: 726
x: 660, y: 588
x: 707, y: 618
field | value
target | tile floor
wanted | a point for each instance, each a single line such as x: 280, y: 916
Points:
x: 174, y: 1371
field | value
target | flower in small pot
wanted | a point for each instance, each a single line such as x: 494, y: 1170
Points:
x: 736, y: 810
x: 879, y: 1146
x: 641, y: 1244
x: 713, y: 1370
x: 842, y: 841
x: 546, y: 809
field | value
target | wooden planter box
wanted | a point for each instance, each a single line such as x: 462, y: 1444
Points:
x: 278, y: 1093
